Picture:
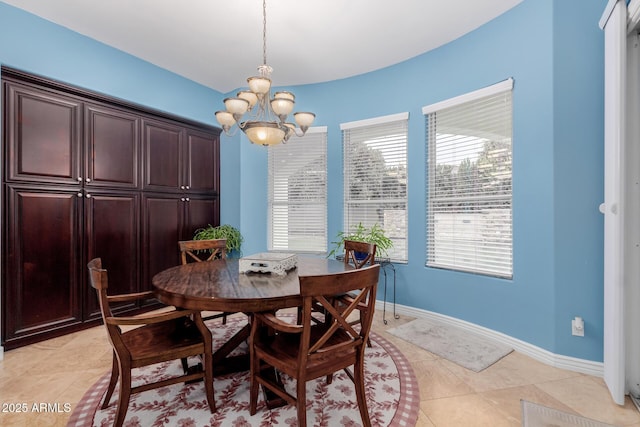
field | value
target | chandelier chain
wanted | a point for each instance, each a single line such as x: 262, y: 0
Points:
x: 264, y: 32
x: 267, y: 121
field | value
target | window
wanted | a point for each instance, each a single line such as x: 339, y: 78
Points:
x: 375, y: 177
x: 298, y: 193
x: 469, y: 214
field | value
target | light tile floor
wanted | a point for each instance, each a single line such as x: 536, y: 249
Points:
x: 60, y: 370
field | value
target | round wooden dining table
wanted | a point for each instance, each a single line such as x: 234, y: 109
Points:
x: 219, y: 286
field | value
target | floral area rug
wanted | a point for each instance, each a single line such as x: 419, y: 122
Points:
x: 390, y: 383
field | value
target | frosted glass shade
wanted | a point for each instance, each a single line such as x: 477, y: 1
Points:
x: 259, y: 85
x: 263, y: 133
x: 285, y: 95
x: 282, y: 106
x: 236, y: 105
x: 225, y: 118
x: 249, y: 96
x: 304, y: 119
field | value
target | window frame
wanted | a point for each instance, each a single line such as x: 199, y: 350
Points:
x: 314, y: 139
x: 474, y: 252
x: 377, y: 127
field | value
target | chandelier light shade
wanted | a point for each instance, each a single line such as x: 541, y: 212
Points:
x: 260, y: 116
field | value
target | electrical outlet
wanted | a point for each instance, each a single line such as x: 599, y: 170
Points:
x: 577, y: 326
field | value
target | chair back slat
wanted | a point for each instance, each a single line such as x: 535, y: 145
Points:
x: 359, y: 254
x: 320, y: 290
x: 202, y: 250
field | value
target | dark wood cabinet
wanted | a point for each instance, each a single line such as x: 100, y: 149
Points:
x: 89, y: 176
x: 112, y: 148
x: 42, y: 135
x: 42, y: 289
x: 163, y: 144
x: 111, y: 225
x: 179, y: 159
x: 202, y: 173
x: 168, y: 219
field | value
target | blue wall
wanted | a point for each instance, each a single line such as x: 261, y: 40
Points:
x: 554, y: 52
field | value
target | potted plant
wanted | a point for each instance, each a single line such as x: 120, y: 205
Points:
x: 226, y: 231
x: 374, y: 234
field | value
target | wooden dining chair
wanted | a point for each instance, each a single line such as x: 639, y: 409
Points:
x: 202, y: 251
x: 155, y: 338
x: 309, y: 350
x: 358, y: 254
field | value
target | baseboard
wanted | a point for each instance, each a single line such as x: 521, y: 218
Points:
x: 535, y: 352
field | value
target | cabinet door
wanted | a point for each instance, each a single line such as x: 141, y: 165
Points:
x: 42, y: 136
x: 163, y: 216
x: 163, y: 157
x: 112, y: 233
x: 42, y: 262
x: 112, y: 147
x: 203, y: 150
x: 200, y: 212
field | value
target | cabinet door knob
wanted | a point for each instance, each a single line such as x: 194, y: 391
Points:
x: 79, y: 179
x: 88, y: 196
x: 182, y: 187
x: 88, y: 180
x: 187, y: 199
x: 182, y: 199
x: 187, y: 187
x: 79, y: 194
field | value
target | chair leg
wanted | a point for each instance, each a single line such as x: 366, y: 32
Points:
x: 115, y: 371
x: 254, y: 371
x: 125, y: 394
x: 208, y: 381
x: 361, y: 396
x: 368, y: 339
x: 301, y: 402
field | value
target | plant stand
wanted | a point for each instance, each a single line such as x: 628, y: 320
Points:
x: 386, y: 264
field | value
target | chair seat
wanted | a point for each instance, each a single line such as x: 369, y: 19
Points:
x: 285, y: 348
x: 160, y: 342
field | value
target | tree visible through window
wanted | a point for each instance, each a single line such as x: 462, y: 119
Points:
x: 469, y: 175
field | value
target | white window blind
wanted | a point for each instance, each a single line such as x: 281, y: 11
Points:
x: 375, y: 178
x: 298, y: 193
x: 469, y: 175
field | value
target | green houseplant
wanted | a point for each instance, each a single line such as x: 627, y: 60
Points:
x: 226, y: 231
x: 374, y: 234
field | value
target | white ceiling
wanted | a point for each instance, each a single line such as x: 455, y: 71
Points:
x: 218, y: 43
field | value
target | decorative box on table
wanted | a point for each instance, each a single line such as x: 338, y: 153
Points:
x: 265, y: 262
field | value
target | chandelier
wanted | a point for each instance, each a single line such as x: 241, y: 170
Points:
x: 266, y: 123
